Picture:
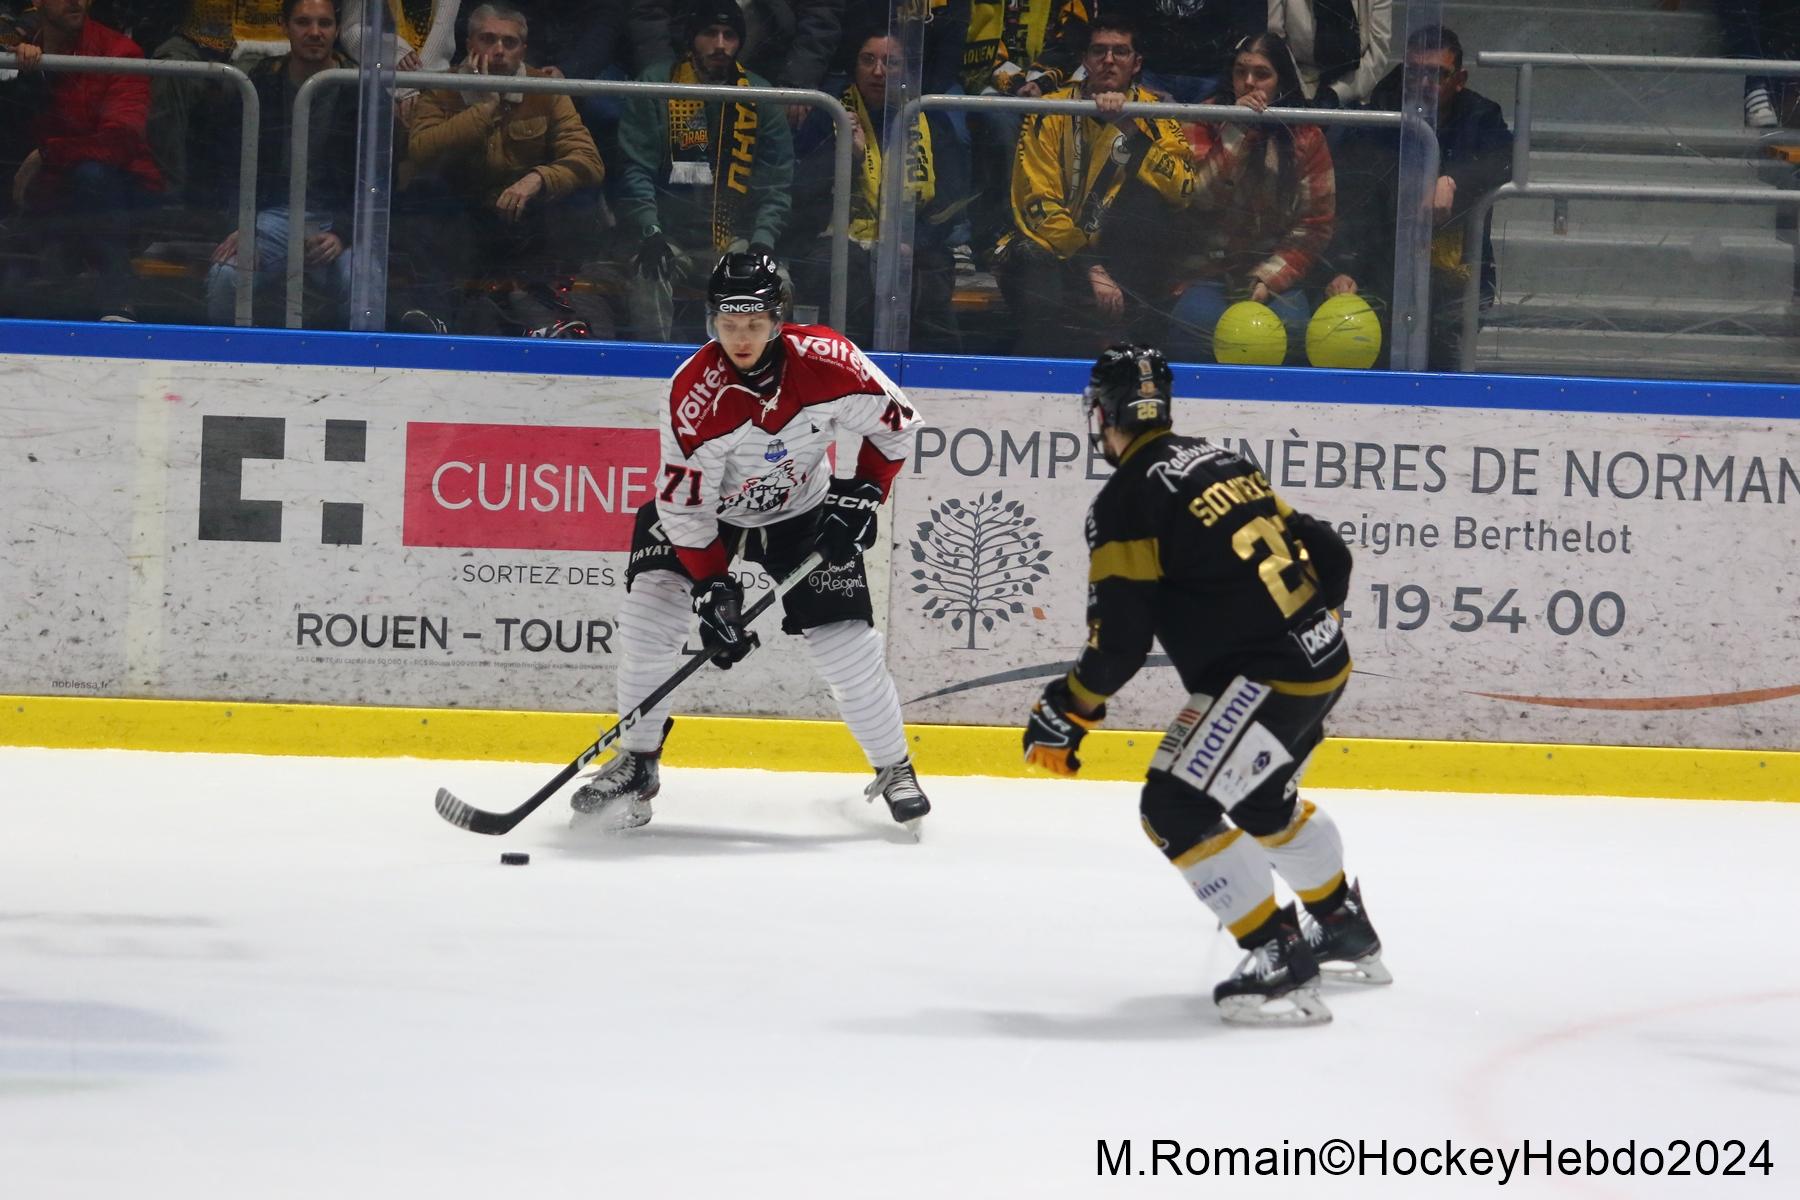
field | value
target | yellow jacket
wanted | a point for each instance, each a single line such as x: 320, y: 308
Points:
x: 1011, y: 42
x: 1063, y: 183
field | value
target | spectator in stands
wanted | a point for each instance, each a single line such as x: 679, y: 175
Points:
x: 89, y: 169
x: 877, y: 58
x: 1475, y: 157
x: 1070, y: 172
x: 1187, y: 43
x: 184, y: 109
x: 699, y: 178
x: 1020, y: 48
x: 312, y: 30
x: 1340, y: 46
x: 1263, y: 209
x: 503, y: 163
x: 789, y: 42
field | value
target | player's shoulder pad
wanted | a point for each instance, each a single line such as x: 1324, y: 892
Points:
x: 832, y: 359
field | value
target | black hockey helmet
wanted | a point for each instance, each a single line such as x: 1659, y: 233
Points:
x: 1131, y: 389
x: 747, y: 281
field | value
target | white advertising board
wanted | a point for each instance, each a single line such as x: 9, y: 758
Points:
x: 448, y: 538
x: 1521, y: 576
x: 334, y: 535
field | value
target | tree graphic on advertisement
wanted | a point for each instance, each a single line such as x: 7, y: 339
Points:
x: 977, y: 561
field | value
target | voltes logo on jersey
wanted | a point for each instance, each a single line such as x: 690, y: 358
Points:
x: 526, y: 487
x: 701, y: 400
x: 777, y: 449
x: 1318, y: 640
x: 832, y: 350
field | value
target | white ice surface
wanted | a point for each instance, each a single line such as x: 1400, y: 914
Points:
x: 246, y: 977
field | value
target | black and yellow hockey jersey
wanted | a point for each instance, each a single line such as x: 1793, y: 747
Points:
x: 1190, y: 545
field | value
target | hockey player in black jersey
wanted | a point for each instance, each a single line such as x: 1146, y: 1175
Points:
x: 1190, y: 545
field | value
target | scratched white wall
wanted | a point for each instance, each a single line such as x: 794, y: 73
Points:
x: 1664, y: 615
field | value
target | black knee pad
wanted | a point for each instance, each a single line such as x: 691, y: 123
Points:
x: 1268, y: 809
x: 1176, y: 817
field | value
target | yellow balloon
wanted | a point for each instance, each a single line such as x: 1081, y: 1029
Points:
x: 1344, y: 333
x: 1250, y: 334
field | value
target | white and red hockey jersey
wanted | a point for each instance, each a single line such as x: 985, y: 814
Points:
x: 729, y: 454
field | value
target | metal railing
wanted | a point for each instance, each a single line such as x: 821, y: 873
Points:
x: 252, y: 120
x: 453, y: 81
x: 1407, y: 318
x: 1521, y: 187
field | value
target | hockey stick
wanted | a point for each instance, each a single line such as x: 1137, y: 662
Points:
x: 475, y: 820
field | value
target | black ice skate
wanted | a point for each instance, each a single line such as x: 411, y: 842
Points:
x: 899, y: 786
x: 1345, y: 944
x: 618, y: 795
x: 1276, y: 984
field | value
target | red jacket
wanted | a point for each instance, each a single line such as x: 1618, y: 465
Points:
x: 96, y: 118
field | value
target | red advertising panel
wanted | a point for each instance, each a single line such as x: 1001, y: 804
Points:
x: 526, y: 487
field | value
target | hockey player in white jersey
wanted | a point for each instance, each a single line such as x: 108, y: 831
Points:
x: 744, y: 472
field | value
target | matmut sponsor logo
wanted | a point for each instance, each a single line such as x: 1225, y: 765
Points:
x: 526, y: 487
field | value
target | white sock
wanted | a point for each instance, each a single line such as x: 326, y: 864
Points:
x: 651, y: 627
x: 848, y: 656
x: 1230, y: 875
x: 1309, y: 853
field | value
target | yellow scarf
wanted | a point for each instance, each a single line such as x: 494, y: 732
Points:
x: 733, y: 157
x: 921, y: 175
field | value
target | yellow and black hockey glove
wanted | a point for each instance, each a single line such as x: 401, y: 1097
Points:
x: 1054, y: 730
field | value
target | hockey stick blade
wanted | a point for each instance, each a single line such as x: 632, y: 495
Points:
x: 464, y: 815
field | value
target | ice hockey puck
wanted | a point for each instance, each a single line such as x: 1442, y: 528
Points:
x: 515, y: 858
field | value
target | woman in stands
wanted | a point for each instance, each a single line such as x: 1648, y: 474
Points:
x: 1263, y: 209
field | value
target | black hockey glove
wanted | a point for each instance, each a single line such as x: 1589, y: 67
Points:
x: 847, y: 523
x: 1330, y: 557
x: 1054, y: 730
x: 656, y: 257
x: 719, y: 603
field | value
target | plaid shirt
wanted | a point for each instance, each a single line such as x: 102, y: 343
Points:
x: 1241, y: 225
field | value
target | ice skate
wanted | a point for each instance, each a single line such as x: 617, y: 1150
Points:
x: 1345, y: 945
x: 1276, y: 984
x: 618, y: 795
x: 899, y: 786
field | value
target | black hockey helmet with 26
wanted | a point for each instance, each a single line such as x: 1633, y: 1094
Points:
x: 1131, y: 389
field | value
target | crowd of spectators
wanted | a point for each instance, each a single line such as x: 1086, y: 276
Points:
x: 534, y: 213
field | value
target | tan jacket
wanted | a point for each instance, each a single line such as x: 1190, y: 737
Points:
x: 464, y: 140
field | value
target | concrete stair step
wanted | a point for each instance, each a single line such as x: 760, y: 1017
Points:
x: 1623, y: 259
x: 1647, y: 314
x: 1636, y: 355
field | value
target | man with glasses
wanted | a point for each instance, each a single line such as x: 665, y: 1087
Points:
x: 877, y: 58
x: 1474, y: 157
x: 1069, y: 173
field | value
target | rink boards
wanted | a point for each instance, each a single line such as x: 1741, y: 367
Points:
x: 1553, y: 575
